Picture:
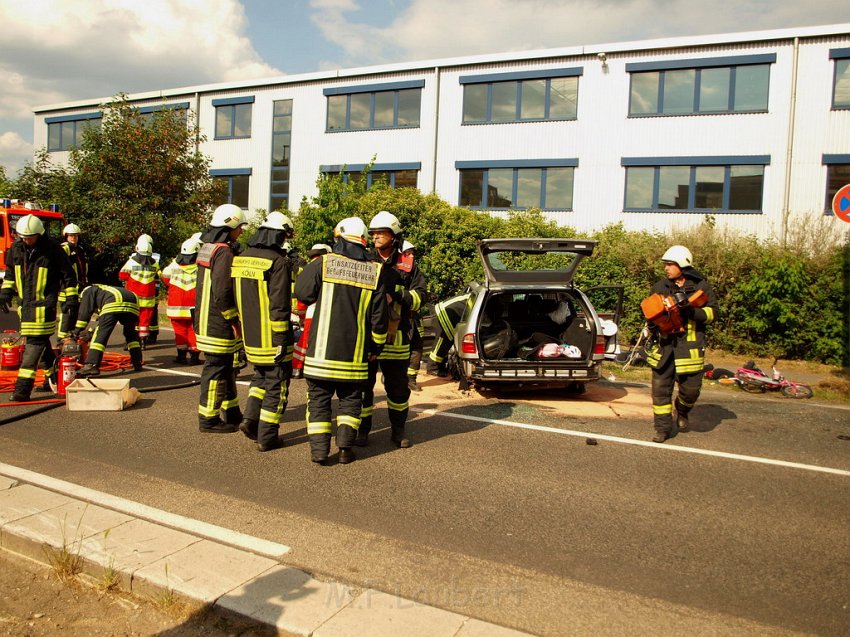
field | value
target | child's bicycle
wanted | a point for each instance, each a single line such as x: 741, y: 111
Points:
x: 751, y: 379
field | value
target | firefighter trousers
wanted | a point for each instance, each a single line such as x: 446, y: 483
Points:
x: 38, y: 348
x: 664, y: 379
x: 398, y: 394
x: 184, y: 333
x: 267, y: 399
x: 218, y: 392
x: 105, y: 324
x: 320, y: 393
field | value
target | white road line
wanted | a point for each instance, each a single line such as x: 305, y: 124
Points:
x: 177, y: 372
x: 640, y: 443
x: 158, y: 516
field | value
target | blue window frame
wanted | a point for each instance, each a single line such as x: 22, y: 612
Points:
x: 537, y: 183
x: 398, y: 175
x: 147, y: 112
x: 281, y: 148
x: 837, y: 176
x: 238, y: 182
x: 66, y: 131
x: 841, y: 79
x: 694, y: 184
x: 233, y: 117
x: 374, y: 106
x: 526, y: 96
x: 707, y: 86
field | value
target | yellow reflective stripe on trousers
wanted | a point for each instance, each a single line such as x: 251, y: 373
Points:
x: 397, y: 406
x: 348, y: 421
x: 24, y: 372
x: 257, y: 392
x: 207, y: 409
x: 661, y: 410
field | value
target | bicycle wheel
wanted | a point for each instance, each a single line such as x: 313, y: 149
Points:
x: 797, y: 391
x: 752, y: 388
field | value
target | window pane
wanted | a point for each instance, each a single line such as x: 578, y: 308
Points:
x: 54, y: 133
x: 226, y: 194
x: 533, y: 105
x: 709, y: 186
x: 67, y: 135
x: 361, y: 107
x: 644, y: 95
x: 408, y: 107
x: 239, y: 195
x: 78, y: 133
x: 242, y: 127
x: 336, y: 111
x: 283, y: 107
x: 280, y: 150
x: 406, y: 179
x: 384, y: 108
x: 746, y: 187
x: 282, y: 123
x: 222, y: 121
x: 471, y: 186
x: 639, y: 186
x: 673, y: 186
x: 714, y: 90
x: 280, y: 189
x: 563, y: 97
x: 279, y: 202
x: 381, y: 176
x: 751, y: 87
x: 280, y: 174
x: 500, y: 187
x: 842, y: 83
x: 528, y: 187
x: 474, y: 102
x: 504, y: 102
x: 559, y: 188
x: 679, y: 91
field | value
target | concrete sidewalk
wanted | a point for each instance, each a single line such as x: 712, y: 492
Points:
x: 154, y: 559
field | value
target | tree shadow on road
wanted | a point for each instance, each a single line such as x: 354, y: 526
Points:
x: 705, y: 417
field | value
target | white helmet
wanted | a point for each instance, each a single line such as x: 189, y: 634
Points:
x: 71, y: 228
x: 228, y: 215
x: 29, y: 226
x: 679, y: 255
x: 278, y: 221
x: 322, y: 246
x: 351, y: 229
x: 385, y: 221
x: 144, y: 245
x: 190, y: 246
x: 407, y: 246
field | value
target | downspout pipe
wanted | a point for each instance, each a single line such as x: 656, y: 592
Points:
x: 789, y: 153
x: 436, y: 130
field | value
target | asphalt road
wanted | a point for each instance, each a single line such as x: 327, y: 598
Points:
x: 531, y: 528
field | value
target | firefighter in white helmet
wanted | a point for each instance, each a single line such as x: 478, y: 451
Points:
x: 77, y: 255
x: 37, y: 270
x: 417, y: 331
x: 180, y: 276
x: 349, y: 330
x: 140, y: 274
x: 216, y: 321
x: 679, y: 359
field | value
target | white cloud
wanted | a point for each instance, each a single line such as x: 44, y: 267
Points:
x: 15, y: 151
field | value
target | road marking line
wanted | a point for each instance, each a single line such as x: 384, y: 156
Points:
x: 640, y: 443
x: 158, y: 516
x: 154, y: 368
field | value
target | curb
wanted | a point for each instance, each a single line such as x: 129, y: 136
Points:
x: 157, y: 561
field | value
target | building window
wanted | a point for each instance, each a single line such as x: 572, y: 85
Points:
x: 66, y: 132
x: 694, y: 184
x: 544, y: 184
x: 237, y: 181
x: 233, y: 117
x: 147, y: 112
x: 402, y: 175
x: 837, y: 176
x: 533, y: 96
x: 376, y: 106
x: 700, y: 87
x: 281, y: 140
x: 841, y: 83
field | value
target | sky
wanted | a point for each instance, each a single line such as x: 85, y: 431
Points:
x: 55, y: 51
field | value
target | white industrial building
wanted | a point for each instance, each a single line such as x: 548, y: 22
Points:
x: 753, y: 128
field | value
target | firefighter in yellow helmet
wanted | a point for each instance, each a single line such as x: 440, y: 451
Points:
x: 679, y: 359
x: 37, y: 270
x: 349, y: 329
x: 216, y: 321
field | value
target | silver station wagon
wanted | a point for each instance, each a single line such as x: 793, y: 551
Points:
x: 527, y: 324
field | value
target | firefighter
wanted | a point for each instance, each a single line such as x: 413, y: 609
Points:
x: 405, y: 289
x: 447, y: 315
x: 140, y: 274
x: 113, y: 305
x: 349, y: 330
x: 679, y: 358
x: 77, y: 256
x: 304, y: 313
x: 216, y: 321
x: 417, y: 331
x: 262, y: 283
x: 37, y: 270
x: 180, y: 276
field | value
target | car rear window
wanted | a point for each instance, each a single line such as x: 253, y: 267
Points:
x: 526, y: 261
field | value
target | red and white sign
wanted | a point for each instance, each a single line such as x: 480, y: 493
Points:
x: 841, y: 203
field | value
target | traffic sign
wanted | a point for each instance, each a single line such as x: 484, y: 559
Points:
x: 841, y: 203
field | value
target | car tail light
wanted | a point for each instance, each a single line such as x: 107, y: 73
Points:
x: 599, y: 348
x: 467, y: 345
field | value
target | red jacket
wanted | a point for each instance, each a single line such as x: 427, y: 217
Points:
x: 180, y: 280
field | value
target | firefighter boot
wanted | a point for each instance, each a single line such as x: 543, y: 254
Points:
x: 362, y: 439
x: 181, y: 357
x: 49, y: 384
x: 136, y: 359
x: 411, y: 383
x: 89, y: 370
x: 398, y: 437
x: 320, y: 447
x: 346, y: 456
x: 249, y: 428
x: 194, y: 358
x: 682, y: 421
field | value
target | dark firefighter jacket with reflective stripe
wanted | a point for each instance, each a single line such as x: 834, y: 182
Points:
x: 105, y: 299
x: 407, y: 289
x: 261, y: 280
x: 687, y: 348
x: 350, y: 319
x: 77, y: 257
x: 450, y: 312
x: 37, y: 275
x: 215, y: 304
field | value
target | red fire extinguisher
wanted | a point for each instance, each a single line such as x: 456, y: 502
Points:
x: 11, y: 351
x: 67, y: 373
